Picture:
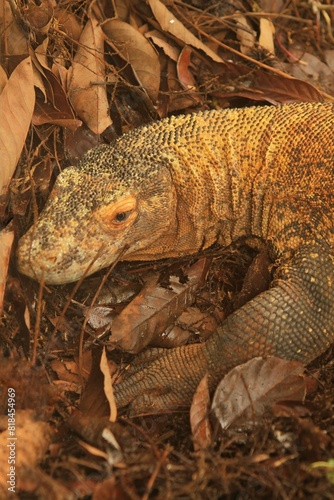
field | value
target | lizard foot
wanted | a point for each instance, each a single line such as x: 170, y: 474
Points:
x: 161, y: 380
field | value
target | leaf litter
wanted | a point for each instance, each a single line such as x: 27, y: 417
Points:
x: 73, y: 75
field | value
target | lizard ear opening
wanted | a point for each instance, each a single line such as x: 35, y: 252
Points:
x: 117, y: 215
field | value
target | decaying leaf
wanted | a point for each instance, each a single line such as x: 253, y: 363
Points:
x: 154, y: 309
x: 267, y: 32
x: 14, y: 39
x: 3, y: 79
x: 86, y: 82
x: 248, y: 391
x: 16, y: 108
x: 6, y: 241
x: 137, y: 51
x: 172, y: 25
x: 32, y: 438
x: 312, y: 69
x: 108, y: 390
x: 245, y: 34
x: 199, y: 416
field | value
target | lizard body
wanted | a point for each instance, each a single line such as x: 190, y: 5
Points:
x: 180, y: 185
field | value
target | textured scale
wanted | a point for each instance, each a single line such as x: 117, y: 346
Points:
x: 182, y: 184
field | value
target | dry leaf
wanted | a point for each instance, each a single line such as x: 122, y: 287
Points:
x: 199, y: 420
x: 267, y: 33
x: 262, y: 86
x: 137, y: 51
x: 14, y: 39
x: 68, y: 23
x: 16, y: 108
x: 245, y: 34
x: 185, y: 75
x: 39, y: 16
x: 162, y: 42
x: 90, y: 101
x: 6, y: 241
x: 153, y: 310
x: 248, y: 391
x: 311, y: 69
x: 3, y: 79
x: 32, y: 439
x: 172, y: 25
x: 108, y: 389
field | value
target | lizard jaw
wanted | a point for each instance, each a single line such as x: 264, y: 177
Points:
x: 64, y: 263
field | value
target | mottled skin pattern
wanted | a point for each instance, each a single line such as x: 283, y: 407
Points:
x: 179, y: 185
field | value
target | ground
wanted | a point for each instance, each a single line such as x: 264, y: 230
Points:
x: 99, y: 70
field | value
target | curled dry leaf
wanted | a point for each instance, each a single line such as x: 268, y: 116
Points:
x: 161, y: 41
x: 39, y: 16
x: 267, y: 33
x: 172, y: 25
x: 16, y: 108
x: 185, y: 76
x: 108, y: 389
x: 137, y: 51
x: 248, y: 391
x: 6, y: 241
x: 86, y: 83
x: 199, y: 416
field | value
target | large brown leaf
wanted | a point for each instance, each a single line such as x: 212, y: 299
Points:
x: 89, y: 100
x: 16, y: 108
x: 137, y: 51
x: 248, y: 391
x: 154, y: 309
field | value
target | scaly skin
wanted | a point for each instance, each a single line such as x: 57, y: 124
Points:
x: 178, y: 186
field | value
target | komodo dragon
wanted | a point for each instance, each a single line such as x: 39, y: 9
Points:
x: 179, y: 185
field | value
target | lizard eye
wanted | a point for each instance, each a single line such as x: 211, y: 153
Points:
x: 117, y: 215
x: 122, y: 216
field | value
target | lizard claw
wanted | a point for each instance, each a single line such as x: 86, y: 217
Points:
x: 162, y: 380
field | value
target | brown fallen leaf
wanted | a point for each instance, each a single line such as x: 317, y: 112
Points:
x: 262, y: 86
x: 199, y: 416
x: 137, y: 51
x: 172, y: 25
x: 6, y: 241
x: 267, y: 35
x: 16, y: 108
x: 3, y: 79
x: 245, y: 34
x: 108, y: 389
x: 32, y: 438
x: 90, y: 101
x: 39, y: 17
x: 310, y: 68
x: 185, y: 76
x: 68, y: 23
x: 154, y: 309
x: 111, y: 490
x: 248, y: 391
x: 161, y: 41
x: 15, y: 38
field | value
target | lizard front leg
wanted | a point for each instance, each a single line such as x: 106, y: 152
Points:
x: 294, y: 320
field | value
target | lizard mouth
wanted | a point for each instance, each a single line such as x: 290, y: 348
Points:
x: 52, y: 266
x: 65, y: 262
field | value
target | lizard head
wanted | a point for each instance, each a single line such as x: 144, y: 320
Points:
x: 111, y: 204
